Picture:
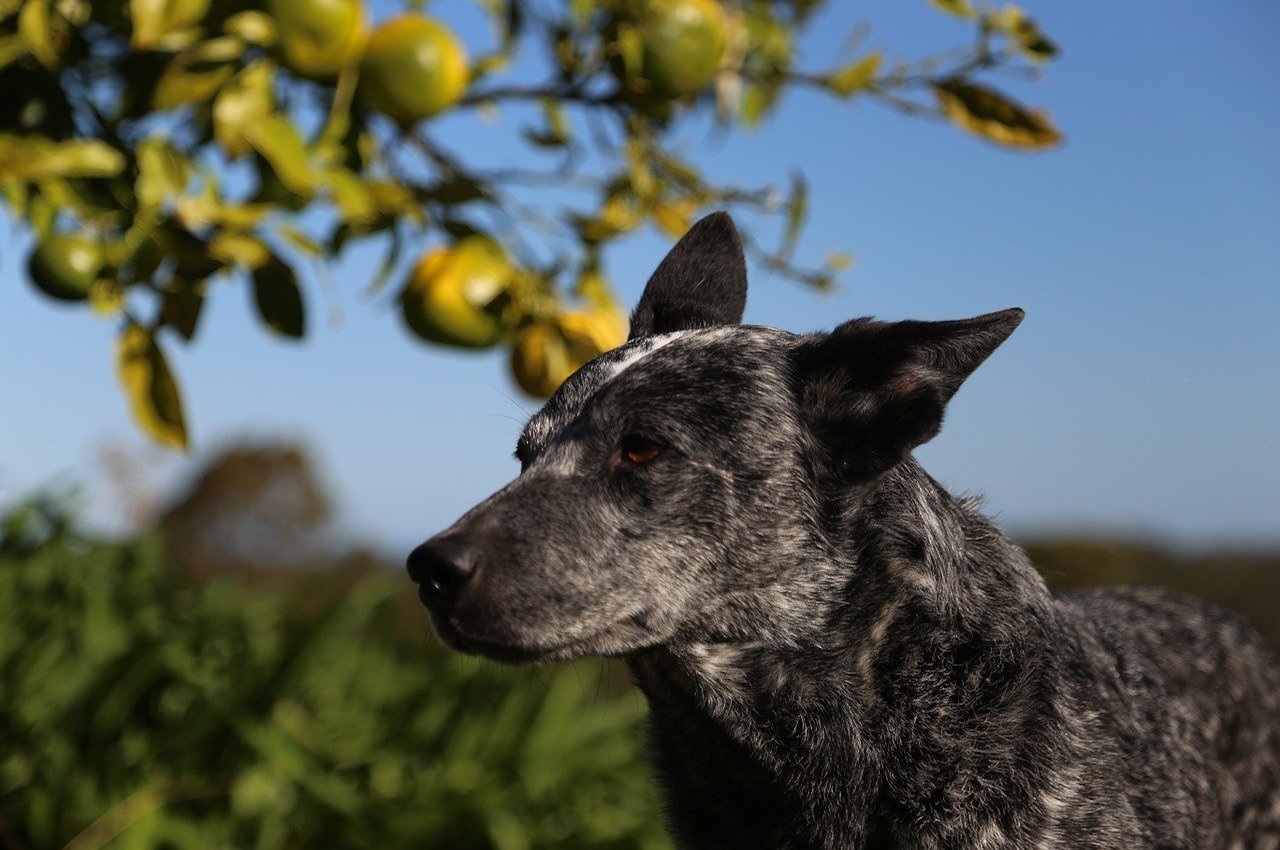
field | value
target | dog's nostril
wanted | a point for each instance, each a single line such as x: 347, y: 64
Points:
x: 442, y: 567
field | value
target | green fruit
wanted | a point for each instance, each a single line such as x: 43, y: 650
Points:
x: 545, y: 354
x: 461, y: 295
x: 66, y: 267
x: 413, y: 68
x: 318, y: 38
x: 540, y: 360
x: 684, y: 41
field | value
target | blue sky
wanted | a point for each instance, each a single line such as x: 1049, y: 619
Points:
x: 1142, y: 394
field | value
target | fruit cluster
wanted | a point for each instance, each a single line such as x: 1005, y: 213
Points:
x: 157, y: 148
x: 410, y: 68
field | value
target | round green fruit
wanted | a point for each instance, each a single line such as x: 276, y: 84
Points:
x: 65, y: 267
x: 684, y: 41
x: 461, y: 295
x: 413, y: 68
x: 318, y: 38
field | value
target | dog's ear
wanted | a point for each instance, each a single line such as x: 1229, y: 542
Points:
x: 701, y: 283
x: 872, y: 391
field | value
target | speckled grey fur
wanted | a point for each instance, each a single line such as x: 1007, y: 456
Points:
x: 837, y: 653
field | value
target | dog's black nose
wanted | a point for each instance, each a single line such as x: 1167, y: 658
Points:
x: 442, y: 568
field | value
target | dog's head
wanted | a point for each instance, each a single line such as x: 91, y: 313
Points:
x: 689, y: 465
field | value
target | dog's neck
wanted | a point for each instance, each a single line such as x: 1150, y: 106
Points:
x: 893, y: 660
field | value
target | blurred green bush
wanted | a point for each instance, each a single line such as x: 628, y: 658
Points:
x: 147, y: 706
x: 140, y: 710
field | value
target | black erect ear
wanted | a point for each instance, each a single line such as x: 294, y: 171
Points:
x: 872, y: 391
x: 701, y: 283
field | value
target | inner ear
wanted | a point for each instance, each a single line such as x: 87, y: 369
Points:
x: 873, y: 391
x: 701, y: 283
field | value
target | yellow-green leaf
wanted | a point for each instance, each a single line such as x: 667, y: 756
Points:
x: 329, y: 144
x: 856, y: 76
x: 254, y: 27
x: 838, y: 261
x: 757, y: 100
x: 12, y: 48
x: 395, y: 199
x: 993, y: 116
x: 239, y: 249
x: 630, y: 47
x: 959, y: 8
x: 1023, y: 32
x: 106, y: 297
x: 301, y: 241
x: 674, y: 217
x: 154, y: 19
x: 196, y: 75
x: 350, y: 195
x: 149, y: 387
x: 36, y: 157
x: 163, y: 174
x: 279, y: 300
x: 195, y: 213
x: 281, y: 145
x: 36, y: 27
x: 242, y: 103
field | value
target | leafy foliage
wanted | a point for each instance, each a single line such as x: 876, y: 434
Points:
x: 216, y: 141
x: 139, y: 710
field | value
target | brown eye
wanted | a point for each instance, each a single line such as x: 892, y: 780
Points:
x: 637, y: 450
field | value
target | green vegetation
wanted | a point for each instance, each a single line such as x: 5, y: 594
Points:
x: 159, y: 148
x: 140, y: 710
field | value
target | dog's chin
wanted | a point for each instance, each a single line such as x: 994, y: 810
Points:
x: 613, y: 640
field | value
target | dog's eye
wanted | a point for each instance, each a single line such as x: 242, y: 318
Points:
x: 637, y: 450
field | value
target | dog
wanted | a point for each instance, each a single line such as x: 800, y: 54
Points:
x: 836, y: 652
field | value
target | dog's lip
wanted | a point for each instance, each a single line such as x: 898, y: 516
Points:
x: 516, y: 653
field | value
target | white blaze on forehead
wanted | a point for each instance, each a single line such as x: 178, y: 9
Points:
x: 603, y: 372
x: 646, y: 347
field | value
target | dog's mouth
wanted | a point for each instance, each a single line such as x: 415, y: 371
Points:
x: 621, y: 637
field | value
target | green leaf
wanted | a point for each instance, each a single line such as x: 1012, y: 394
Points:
x: 257, y: 28
x: 856, y: 76
x: 280, y: 144
x: 797, y: 212
x: 36, y: 28
x: 995, y: 117
x: 394, y: 199
x: 240, y: 249
x: 758, y: 99
x: 389, y: 262
x: 15, y: 194
x: 675, y: 217
x: 163, y: 173
x: 630, y: 47
x: 155, y: 19
x: 244, y: 102
x: 301, y: 241
x: 350, y: 195
x: 329, y: 144
x: 196, y: 75
x: 12, y: 48
x: 279, y: 299
x: 959, y: 8
x: 149, y: 387
x: 182, y: 307
x: 196, y: 213
x: 36, y: 157
x: 838, y: 261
